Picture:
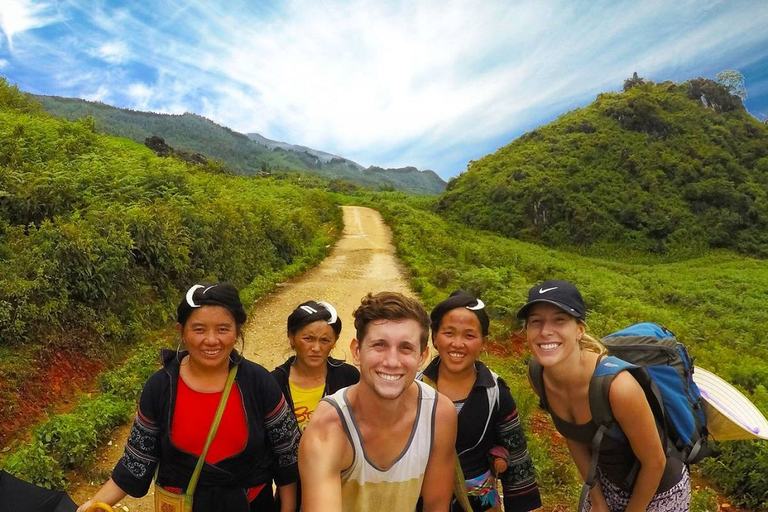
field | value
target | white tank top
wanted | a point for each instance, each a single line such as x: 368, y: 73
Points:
x: 365, y: 486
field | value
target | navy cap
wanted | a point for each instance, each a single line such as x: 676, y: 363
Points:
x: 559, y: 293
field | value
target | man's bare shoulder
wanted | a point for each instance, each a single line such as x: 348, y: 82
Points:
x: 324, y: 452
x: 325, y: 438
x: 445, y: 416
x: 325, y: 420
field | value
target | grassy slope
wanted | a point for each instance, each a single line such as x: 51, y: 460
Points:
x: 651, y: 169
x: 98, y: 237
x: 715, y: 304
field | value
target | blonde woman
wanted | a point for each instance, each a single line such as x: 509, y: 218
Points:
x: 555, y: 316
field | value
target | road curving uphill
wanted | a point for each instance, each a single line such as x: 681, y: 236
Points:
x: 362, y: 261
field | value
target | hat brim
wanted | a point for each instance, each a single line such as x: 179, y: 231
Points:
x: 523, y: 313
x: 730, y: 414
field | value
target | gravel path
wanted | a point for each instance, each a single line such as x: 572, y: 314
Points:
x: 362, y: 261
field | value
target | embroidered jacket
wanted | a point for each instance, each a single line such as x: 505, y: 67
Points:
x: 481, y: 427
x: 271, y: 450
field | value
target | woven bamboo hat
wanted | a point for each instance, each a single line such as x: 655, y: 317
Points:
x: 730, y: 414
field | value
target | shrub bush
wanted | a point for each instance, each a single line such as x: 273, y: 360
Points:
x: 714, y: 303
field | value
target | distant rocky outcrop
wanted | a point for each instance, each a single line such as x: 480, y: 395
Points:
x: 161, y: 149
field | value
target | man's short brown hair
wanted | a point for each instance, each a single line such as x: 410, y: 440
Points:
x: 391, y: 306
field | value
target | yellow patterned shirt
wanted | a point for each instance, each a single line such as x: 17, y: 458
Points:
x: 305, y: 402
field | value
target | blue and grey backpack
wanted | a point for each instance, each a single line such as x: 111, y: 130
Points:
x: 664, y: 369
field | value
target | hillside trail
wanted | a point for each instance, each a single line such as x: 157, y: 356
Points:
x: 362, y: 261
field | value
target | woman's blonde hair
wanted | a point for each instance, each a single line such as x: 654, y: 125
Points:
x: 587, y: 342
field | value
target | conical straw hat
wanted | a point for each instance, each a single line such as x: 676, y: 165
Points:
x: 730, y: 414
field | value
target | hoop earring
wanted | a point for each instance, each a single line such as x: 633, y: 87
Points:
x: 178, y: 351
x: 242, y: 348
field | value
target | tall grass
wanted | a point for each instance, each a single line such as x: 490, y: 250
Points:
x: 716, y: 304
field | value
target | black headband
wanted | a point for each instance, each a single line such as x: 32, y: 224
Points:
x: 312, y: 311
x: 460, y: 299
x: 211, y: 294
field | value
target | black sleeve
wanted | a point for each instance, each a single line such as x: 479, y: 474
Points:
x: 521, y: 493
x: 136, y: 468
x: 281, y: 429
x: 351, y: 375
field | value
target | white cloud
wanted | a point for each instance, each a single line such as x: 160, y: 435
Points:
x: 113, y: 52
x: 17, y: 16
x: 141, y: 94
x: 409, y: 82
x: 101, y: 94
x: 358, y: 77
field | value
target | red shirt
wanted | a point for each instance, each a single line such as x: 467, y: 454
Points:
x: 192, y: 419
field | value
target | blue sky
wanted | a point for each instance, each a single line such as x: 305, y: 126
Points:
x: 429, y: 83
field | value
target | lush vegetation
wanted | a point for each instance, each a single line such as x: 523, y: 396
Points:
x: 655, y: 199
x: 70, y: 440
x: 190, y: 132
x: 98, y: 237
x: 715, y: 304
x: 673, y: 169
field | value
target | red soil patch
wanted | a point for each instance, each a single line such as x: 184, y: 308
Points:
x: 496, y: 349
x: 58, y: 378
x: 542, y: 426
x: 515, y: 347
x: 518, y: 344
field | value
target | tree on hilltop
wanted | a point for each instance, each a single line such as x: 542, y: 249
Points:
x: 734, y: 81
x: 633, y: 82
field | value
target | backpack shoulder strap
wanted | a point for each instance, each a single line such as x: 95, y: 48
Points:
x: 600, y: 407
x: 536, y: 376
x: 600, y: 386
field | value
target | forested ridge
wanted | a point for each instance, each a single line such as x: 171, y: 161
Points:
x: 664, y: 168
x: 194, y: 133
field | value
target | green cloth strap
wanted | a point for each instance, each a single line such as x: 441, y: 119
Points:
x: 211, y: 434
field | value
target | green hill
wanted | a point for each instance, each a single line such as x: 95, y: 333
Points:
x: 241, y: 153
x: 669, y: 168
x: 98, y: 237
x: 714, y: 303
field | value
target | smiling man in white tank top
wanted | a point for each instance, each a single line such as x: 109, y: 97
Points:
x: 385, y: 441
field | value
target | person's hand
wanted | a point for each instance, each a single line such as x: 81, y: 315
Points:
x: 598, y: 500
x: 92, y: 506
x: 499, y: 456
x: 85, y: 506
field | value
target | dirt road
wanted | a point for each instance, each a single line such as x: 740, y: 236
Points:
x: 363, y: 260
